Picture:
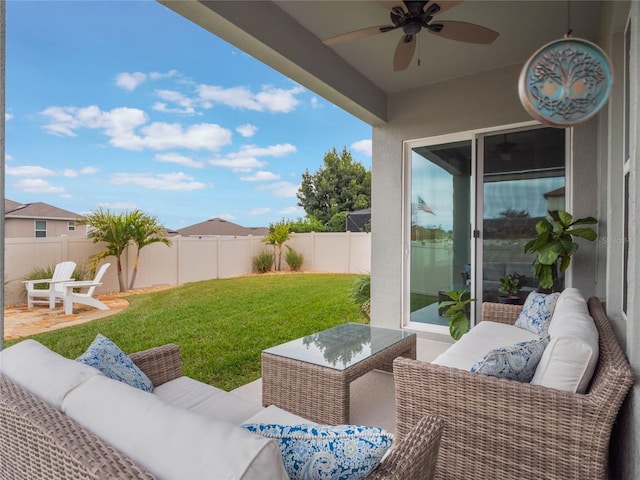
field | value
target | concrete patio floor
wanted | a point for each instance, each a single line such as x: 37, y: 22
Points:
x: 372, y: 395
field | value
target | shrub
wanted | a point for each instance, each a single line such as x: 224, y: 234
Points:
x: 361, y: 293
x: 263, y: 262
x: 293, y: 259
x: 38, y: 273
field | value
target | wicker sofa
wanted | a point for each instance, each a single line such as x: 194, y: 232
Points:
x: 504, y: 429
x: 40, y: 442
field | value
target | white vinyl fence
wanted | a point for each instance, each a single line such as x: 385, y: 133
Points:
x: 188, y: 259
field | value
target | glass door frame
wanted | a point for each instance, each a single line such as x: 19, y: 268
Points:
x: 477, y: 163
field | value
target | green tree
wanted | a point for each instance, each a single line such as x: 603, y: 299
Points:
x: 306, y: 225
x: 112, y: 229
x: 145, y: 230
x: 341, y: 185
x: 117, y: 231
x: 278, y: 234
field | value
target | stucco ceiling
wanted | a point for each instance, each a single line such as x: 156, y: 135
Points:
x: 358, y: 76
x: 523, y: 26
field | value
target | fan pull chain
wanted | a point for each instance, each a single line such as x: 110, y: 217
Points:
x: 569, y: 30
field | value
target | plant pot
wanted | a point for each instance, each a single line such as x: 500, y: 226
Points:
x: 511, y: 300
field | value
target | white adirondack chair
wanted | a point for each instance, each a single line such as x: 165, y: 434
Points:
x: 69, y: 297
x: 62, y: 273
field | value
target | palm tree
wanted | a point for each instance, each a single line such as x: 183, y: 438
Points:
x: 145, y: 230
x: 278, y: 234
x: 112, y: 229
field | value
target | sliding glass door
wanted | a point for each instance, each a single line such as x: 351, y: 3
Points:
x: 523, y: 177
x: 471, y: 204
x: 440, y: 222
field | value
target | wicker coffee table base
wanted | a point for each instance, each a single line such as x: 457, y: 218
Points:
x: 321, y: 394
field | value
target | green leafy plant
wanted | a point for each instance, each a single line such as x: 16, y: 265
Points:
x: 456, y: 310
x: 278, y: 234
x: 509, y: 285
x: 361, y: 293
x: 263, y: 262
x: 81, y: 272
x: 293, y: 259
x: 554, y: 245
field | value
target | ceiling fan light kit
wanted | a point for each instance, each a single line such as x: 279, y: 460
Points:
x: 412, y: 17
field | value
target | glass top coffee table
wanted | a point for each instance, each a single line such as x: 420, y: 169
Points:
x: 311, y: 376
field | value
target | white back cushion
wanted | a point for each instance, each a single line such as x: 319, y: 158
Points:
x: 570, y: 358
x: 169, y: 441
x: 42, y: 372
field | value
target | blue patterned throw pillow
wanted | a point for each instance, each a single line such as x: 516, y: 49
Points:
x: 516, y: 362
x: 323, y: 452
x: 536, y: 312
x: 107, y: 357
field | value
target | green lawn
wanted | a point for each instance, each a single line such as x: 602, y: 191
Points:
x: 221, y: 326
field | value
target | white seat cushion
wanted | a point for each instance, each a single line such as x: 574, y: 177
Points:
x: 276, y: 415
x: 479, y: 341
x: 207, y: 400
x: 571, y: 357
x: 168, y: 441
x: 44, y: 373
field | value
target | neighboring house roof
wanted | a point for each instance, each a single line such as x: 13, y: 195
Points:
x: 558, y: 192
x: 219, y: 226
x: 37, y: 210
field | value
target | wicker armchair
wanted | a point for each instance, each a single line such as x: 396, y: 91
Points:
x: 503, y: 429
x: 39, y: 442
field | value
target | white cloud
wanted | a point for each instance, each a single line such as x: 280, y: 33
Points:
x: 260, y: 176
x: 8, y: 116
x: 259, y: 211
x: 29, y: 171
x: 292, y: 211
x: 247, y: 130
x: 179, y: 159
x: 246, y: 159
x: 36, y: 185
x: 184, y: 104
x: 315, y: 102
x: 129, y: 81
x: 279, y: 150
x: 8, y: 157
x: 270, y: 99
x: 159, y: 75
x: 118, y: 205
x: 280, y: 189
x: 72, y: 173
x: 363, y: 146
x: 161, y: 181
x: 120, y: 125
x: 237, y: 164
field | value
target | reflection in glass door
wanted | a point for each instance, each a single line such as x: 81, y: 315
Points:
x: 524, y: 176
x: 440, y: 199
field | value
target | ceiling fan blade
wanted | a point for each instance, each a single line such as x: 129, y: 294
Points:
x: 463, y: 32
x: 404, y: 53
x: 356, y: 34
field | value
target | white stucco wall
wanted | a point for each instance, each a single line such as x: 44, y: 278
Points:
x: 487, y: 100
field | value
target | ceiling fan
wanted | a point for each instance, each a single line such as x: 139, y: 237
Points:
x: 412, y: 17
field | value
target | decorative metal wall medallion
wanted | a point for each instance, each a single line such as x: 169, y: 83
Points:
x: 565, y: 82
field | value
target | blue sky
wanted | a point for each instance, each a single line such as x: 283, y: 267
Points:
x: 125, y: 104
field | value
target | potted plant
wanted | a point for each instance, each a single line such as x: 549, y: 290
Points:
x: 457, y: 311
x: 554, y: 245
x: 510, y: 286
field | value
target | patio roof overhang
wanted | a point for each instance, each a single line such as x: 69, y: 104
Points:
x: 358, y: 76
